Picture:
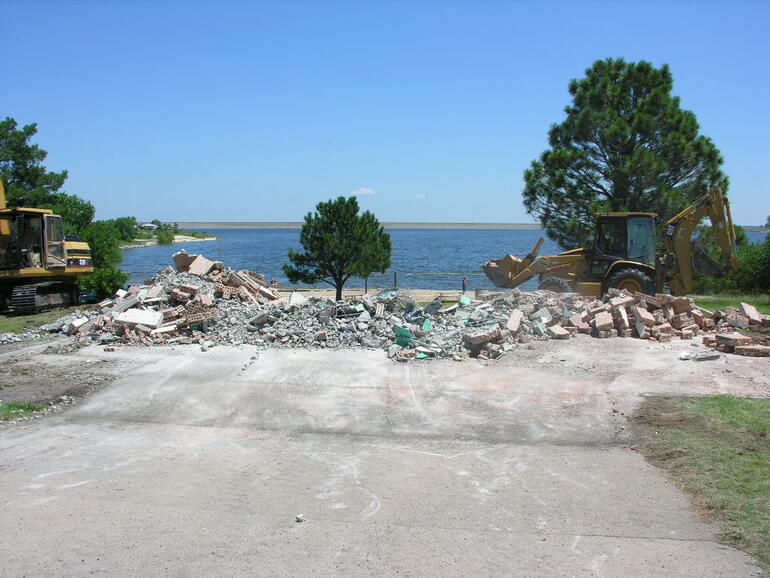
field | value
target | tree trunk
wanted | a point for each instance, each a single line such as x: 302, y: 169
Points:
x: 339, y: 291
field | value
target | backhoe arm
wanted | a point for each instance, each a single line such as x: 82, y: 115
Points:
x: 682, y: 257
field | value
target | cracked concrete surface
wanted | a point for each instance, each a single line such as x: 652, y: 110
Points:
x: 198, y: 463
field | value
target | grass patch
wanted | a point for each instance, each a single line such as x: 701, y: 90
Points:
x: 17, y: 409
x: 197, y: 234
x: 761, y: 302
x: 718, y: 449
x: 21, y: 323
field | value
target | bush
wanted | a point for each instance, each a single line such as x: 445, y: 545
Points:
x: 102, y: 236
x: 753, y: 277
x: 103, y: 281
x: 165, y: 237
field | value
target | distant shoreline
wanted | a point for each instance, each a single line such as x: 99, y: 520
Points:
x: 295, y: 225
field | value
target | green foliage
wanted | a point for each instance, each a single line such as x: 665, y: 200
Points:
x: 104, y: 281
x: 753, y: 276
x: 102, y: 236
x: 126, y: 228
x: 721, y: 301
x: 15, y: 409
x: 76, y: 213
x: 625, y: 145
x: 21, y: 166
x: 164, y: 237
x: 173, y: 227
x: 29, y: 184
x: 339, y: 243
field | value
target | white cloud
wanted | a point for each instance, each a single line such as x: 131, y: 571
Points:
x: 419, y: 196
x: 364, y: 191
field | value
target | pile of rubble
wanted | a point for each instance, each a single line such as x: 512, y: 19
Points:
x: 8, y: 338
x: 204, y: 302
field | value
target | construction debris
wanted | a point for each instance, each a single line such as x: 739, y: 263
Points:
x: 207, y: 303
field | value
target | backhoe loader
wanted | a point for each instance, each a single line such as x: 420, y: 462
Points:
x: 623, y: 254
x: 38, y: 264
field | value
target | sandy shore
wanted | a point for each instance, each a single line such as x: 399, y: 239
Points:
x: 177, y: 239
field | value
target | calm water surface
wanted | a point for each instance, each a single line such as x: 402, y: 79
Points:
x: 445, y: 255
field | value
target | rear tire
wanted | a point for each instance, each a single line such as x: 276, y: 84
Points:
x: 555, y: 284
x: 632, y: 280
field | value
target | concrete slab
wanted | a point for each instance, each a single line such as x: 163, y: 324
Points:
x: 198, y: 463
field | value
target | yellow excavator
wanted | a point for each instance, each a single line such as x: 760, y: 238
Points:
x: 623, y: 255
x: 39, y: 265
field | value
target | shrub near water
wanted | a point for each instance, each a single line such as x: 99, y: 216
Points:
x: 165, y: 237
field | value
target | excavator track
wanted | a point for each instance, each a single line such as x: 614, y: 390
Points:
x: 41, y: 297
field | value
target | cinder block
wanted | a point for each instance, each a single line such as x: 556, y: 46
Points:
x: 754, y: 316
x: 643, y: 316
x: 558, y: 332
x: 682, y: 305
x: 603, y: 321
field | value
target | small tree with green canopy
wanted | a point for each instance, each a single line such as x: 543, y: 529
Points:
x: 625, y: 145
x: 338, y: 244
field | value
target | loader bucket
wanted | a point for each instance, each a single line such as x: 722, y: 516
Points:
x: 501, y: 271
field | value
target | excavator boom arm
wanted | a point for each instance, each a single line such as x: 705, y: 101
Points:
x: 678, y: 235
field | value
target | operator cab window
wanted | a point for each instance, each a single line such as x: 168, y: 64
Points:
x: 641, y: 240
x: 611, y: 238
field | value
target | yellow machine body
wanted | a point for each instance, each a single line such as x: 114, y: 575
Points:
x: 38, y: 263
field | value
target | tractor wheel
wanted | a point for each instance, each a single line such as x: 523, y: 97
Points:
x: 632, y: 280
x: 555, y: 284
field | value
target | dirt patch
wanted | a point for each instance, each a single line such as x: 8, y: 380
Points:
x: 28, y: 381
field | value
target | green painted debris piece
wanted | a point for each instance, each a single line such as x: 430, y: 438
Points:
x: 465, y: 300
x: 403, y: 336
x: 426, y: 325
x: 421, y: 356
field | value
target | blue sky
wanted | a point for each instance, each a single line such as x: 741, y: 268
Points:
x: 255, y: 111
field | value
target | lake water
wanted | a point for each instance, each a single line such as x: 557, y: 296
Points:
x: 422, y: 258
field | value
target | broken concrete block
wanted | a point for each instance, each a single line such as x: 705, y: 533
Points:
x: 682, y: 305
x: 514, y: 321
x: 707, y: 356
x: 558, y: 332
x: 643, y: 316
x: 577, y: 321
x: 182, y: 261
x: 481, y: 337
x: 146, y: 317
x: 178, y: 295
x: 754, y: 316
x: 641, y: 329
x: 753, y: 350
x: 621, y: 319
x: 603, y: 321
x: 732, y: 339
x: 201, y: 266
x: 542, y: 315
x: 121, y: 293
x: 191, y: 290
x: 297, y: 298
x: 622, y: 301
x: 737, y: 320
